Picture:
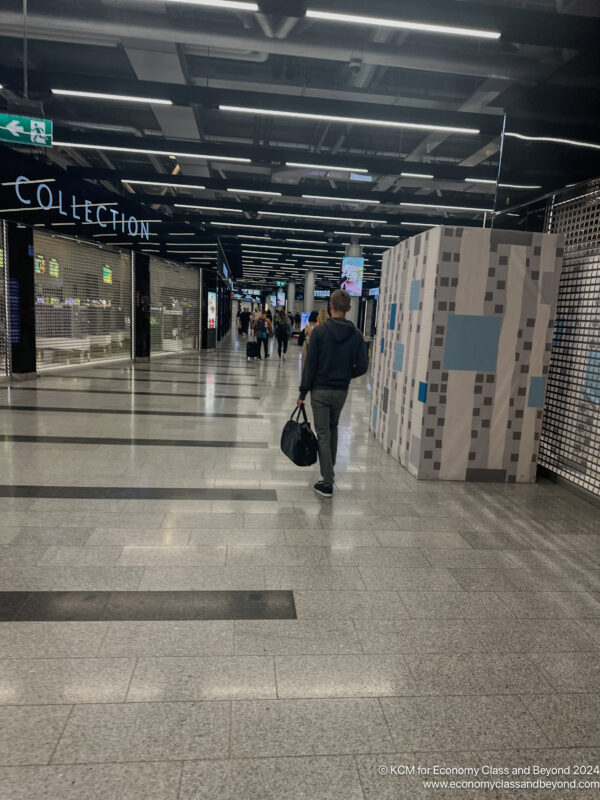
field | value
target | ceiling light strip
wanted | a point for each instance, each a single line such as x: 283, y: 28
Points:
x: 147, y: 151
x: 400, y: 24
x: 120, y: 98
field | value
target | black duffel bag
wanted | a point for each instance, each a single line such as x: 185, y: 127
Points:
x: 298, y: 442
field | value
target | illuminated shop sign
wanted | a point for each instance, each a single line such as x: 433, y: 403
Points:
x: 43, y: 197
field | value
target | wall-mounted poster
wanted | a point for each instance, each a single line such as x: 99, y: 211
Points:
x: 212, y: 310
x: 352, y: 275
x: 280, y: 298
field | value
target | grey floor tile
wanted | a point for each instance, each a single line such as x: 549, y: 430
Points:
x: 207, y: 678
x: 263, y: 728
x: 377, y: 556
x: 568, y: 720
x: 236, y: 536
x: 51, y: 639
x: 570, y: 672
x: 122, y: 537
x: 64, y: 680
x: 551, y: 604
x: 466, y: 558
x: 423, y: 539
x: 144, y: 732
x: 350, y: 522
x: 343, y: 676
x: 481, y: 540
x: 322, y: 777
x: 279, y: 637
x: 331, y: 538
x: 171, y: 556
x: 557, y: 580
x: 483, y: 580
x: 80, y: 556
x: 65, y: 537
x: 273, y: 554
x: 476, y: 673
x: 92, y: 782
x: 156, y: 639
x: 466, y: 722
x: 591, y: 627
x: 21, y: 556
x: 348, y: 605
x: 28, y: 735
x: 409, y: 579
x: 454, y: 605
x: 433, y: 523
x: 313, y: 578
x: 203, y: 578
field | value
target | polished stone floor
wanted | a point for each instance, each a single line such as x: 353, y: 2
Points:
x: 430, y: 623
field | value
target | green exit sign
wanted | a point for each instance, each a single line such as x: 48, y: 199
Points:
x: 279, y: 283
x: 25, y: 130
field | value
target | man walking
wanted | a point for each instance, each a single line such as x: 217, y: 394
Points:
x: 336, y: 354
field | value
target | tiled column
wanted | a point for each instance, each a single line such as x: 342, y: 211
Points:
x: 465, y: 327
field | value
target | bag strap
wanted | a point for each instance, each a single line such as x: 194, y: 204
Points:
x: 297, y: 411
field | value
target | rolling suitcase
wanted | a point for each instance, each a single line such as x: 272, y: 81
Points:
x: 252, y: 350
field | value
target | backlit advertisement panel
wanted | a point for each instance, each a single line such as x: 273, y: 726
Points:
x: 212, y: 310
x: 352, y: 275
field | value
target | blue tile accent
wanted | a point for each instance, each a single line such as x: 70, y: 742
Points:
x: 415, y: 295
x: 399, y: 357
x: 382, y: 345
x: 537, y: 391
x: 374, y: 420
x: 422, y: 392
x: 472, y: 343
x: 393, y: 309
x: 591, y: 386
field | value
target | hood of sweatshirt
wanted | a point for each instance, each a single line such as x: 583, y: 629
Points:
x: 340, y: 329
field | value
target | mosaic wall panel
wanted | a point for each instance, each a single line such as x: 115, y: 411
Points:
x: 465, y: 324
x: 570, y: 441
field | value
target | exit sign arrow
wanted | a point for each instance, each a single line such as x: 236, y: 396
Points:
x: 25, y: 130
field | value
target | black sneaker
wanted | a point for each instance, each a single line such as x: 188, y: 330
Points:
x: 323, y: 489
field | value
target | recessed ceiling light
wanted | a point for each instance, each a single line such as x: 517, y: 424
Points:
x: 234, y: 5
x: 416, y: 175
x: 162, y: 183
x: 120, y: 98
x: 319, y: 216
x: 339, y: 199
x: 325, y: 168
x: 351, y: 233
x: 209, y: 208
x: 421, y: 27
x: 448, y: 208
x: 268, y: 227
x: 269, y: 112
x: 420, y: 224
x: 147, y: 151
x: 255, y: 191
x: 40, y: 180
x: 501, y: 185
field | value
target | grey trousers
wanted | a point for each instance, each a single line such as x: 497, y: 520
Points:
x: 327, y: 405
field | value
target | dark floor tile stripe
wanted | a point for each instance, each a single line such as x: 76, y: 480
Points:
x: 88, y: 440
x: 174, y: 395
x: 148, y: 380
x: 145, y: 606
x: 135, y: 493
x: 130, y: 412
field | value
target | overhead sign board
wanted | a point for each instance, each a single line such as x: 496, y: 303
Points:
x: 25, y: 130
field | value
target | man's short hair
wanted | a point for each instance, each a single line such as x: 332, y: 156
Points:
x: 340, y: 301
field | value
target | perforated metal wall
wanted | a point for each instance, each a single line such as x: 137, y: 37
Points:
x: 570, y: 441
x: 82, y: 302
x: 175, y: 307
x: 3, y: 300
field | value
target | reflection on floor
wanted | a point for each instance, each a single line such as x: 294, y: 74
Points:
x: 436, y: 623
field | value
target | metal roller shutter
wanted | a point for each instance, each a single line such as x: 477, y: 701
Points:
x: 3, y: 303
x: 175, y: 307
x: 83, y: 302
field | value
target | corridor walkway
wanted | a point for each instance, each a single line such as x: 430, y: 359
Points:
x: 401, y: 623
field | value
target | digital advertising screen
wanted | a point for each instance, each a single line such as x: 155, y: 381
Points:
x: 304, y: 319
x: 352, y: 275
x: 273, y: 300
x: 212, y: 310
x: 280, y: 298
x: 106, y: 274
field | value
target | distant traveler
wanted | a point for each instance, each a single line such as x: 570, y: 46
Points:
x: 283, y: 331
x: 263, y: 329
x: 308, y: 329
x: 244, y: 321
x: 336, y: 354
x: 297, y: 320
x: 269, y: 315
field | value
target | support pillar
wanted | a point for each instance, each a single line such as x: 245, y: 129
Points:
x: 291, y: 296
x: 309, y: 290
x: 21, y: 299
